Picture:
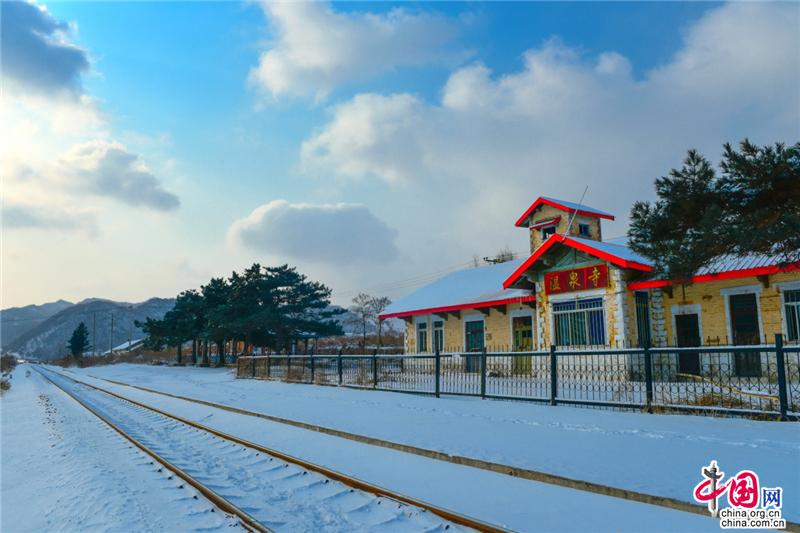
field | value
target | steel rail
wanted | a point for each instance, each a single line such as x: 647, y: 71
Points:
x: 350, y: 481
x: 245, y: 519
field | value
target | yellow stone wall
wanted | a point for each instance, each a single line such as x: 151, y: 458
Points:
x: 496, y: 329
x: 621, y: 329
x: 713, y: 319
x: 546, y: 212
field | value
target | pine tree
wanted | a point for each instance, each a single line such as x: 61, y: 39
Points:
x: 753, y: 206
x: 760, y: 189
x: 79, y: 342
x: 678, y: 231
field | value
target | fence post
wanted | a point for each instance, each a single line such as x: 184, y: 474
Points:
x: 438, y: 370
x: 782, y: 395
x: 288, y: 367
x: 553, y: 375
x: 311, y: 362
x: 483, y: 372
x: 339, y: 365
x: 375, y: 369
x: 253, y: 366
x: 269, y: 363
x: 648, y: 376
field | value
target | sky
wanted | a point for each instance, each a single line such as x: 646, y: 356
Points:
x: 149, y: 146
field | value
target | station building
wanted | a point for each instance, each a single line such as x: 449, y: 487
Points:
x: 577, y: 290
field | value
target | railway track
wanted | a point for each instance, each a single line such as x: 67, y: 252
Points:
x: 481, y: 464
x: 267, y: 490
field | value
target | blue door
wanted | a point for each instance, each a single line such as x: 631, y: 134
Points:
x: 474, y: 341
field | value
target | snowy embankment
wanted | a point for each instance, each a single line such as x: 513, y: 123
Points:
x: 64, y: 470
x: 515, y: 503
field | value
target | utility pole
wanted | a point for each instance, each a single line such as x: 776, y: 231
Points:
x: 94, y: 333
x: 130, y: 330
x: 111, y: 338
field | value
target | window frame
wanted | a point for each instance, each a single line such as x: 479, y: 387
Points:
x: 649, y: 326
x: 438, y: 340
x: 551, y: 230
x: 590, y: 323
x: 791, y: 286
x: 422, y: 328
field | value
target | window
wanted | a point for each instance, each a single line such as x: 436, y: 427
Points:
x: 580, y: 322
x: 791, y: 302
x: 643, y: 318
x: 438, y: 335
x: 546, y: 232
x: 422, y: 337
x: 583, y: 230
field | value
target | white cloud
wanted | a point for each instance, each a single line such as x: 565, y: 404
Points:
x: 108, y: 169
x: 492, y: 144
x: 316, y: 49
x: 45, y: 113
x: 333, y: 234
x: 36, y: 52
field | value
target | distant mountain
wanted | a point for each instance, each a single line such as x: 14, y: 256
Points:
x: 49, y: 338
x: 15, y: 321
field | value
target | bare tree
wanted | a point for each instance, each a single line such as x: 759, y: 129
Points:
x: 504, y: 255
x: 378, y: 304
x: 362, y: 308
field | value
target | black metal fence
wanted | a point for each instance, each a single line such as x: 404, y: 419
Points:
x: 761, y: 380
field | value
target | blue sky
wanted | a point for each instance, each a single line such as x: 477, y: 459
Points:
x: 395, y: 140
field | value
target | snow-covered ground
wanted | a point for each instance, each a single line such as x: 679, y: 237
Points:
x: 518, y: 504
x: 656, y: 454
x: 64, y: 470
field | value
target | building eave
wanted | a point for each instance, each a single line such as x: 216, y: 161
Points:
x: 459, y: 307
x: 520, y: 223
x: 572, y: 243
x: 720, y: 276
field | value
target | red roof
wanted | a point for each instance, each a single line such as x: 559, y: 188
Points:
x: 724, y: 271
x: 564, y: 205
x: 601, y: 250
x: 451, y: 308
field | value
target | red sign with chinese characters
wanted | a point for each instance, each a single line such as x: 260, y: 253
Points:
x: 576, y: 279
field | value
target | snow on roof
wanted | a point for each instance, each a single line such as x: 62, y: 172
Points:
x: 572, y: 206
x: 730, y: 263
x: 126, y: 345
x: 616, y: 247
x: 565, y: 205
x: 470, y: 286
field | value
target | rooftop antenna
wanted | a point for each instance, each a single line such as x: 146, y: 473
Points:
x: 572, y: 218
